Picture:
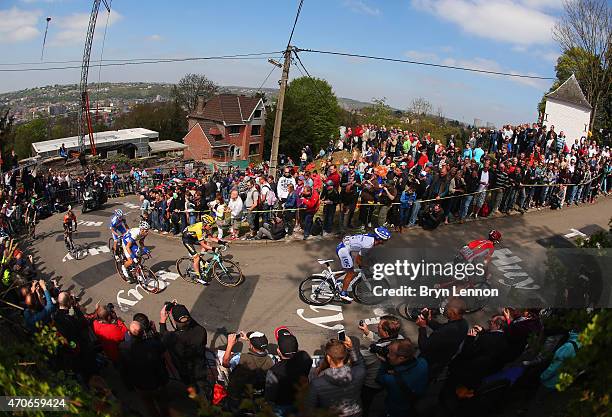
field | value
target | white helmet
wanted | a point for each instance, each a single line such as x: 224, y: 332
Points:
x: 144, y: 225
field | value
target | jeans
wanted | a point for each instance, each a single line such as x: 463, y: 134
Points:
x: 465, y: 205
x: 497, y: 200
x: 192, y: 218
x: 329, y: 210
x: 404, y: 215
x: 307, y: 225
x: 414, y: 213
x: 572, y: 194
x: 289, y: 220
x: 154, y: 217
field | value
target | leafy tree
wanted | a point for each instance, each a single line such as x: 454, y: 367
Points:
x: 379, y: 113
x: 168, y: 118
x: 28, y: 133
x: 311, y: 116
x: 190, y: 87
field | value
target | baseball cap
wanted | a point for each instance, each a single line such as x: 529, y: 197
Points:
x: 301, y: 178
x: 258, y: 340
x: 179, y: 312
x: 423, y: 173
x: 287, y: 342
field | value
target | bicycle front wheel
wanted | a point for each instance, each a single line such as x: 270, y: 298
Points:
x: 316, y: 291
x: 182, y: 267
x: 364, y: 291
x: 228, y: 273
x: 477, y: 303
x: 148, y: 280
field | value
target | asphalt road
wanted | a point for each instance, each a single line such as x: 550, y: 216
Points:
x: 268, y: 298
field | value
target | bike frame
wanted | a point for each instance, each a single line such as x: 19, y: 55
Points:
x: 332, y: 276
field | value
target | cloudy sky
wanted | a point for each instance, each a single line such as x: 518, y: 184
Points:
x: 500, y: 35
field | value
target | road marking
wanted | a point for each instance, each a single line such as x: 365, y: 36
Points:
x: 131, y: 205
x: 124, y: 303
x: 91, y: 251
x: 320, y: 321
x: 68, y: 257
x: 506, y: 262
x: 574, y: 233
x: 89, y: 223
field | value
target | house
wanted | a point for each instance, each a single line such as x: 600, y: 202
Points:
x: 568, y: 110
x: 228, y: 127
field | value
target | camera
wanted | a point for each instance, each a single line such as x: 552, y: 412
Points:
x: 380, y: 350
x: 110, y: 307
x: 168, y: 305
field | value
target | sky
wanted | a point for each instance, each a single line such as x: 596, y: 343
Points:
x: 500, y: 35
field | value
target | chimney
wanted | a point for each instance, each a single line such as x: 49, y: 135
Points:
x: 200, y: 104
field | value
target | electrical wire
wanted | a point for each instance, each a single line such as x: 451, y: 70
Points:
x: 429, y: 64
x: 314, y: 82
x: 111, y: 63
x: 297, y: 16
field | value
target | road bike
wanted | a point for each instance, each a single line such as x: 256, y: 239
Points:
x: 31, y: 225
x: 227, y: 272
x: 325, y: 287
x: 116, y: 252
x: 74, y: 250
x: 141, y: 273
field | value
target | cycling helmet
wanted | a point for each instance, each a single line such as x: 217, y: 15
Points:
x: 144, y: 225
x: 495, y: 236
x: 208, y: 220
x: 119, y: 213
x: 382, y: 233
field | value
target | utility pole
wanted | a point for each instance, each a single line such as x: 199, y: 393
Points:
x: 279, y: 111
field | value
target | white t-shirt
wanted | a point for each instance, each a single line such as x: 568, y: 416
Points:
x: 484, y: 177
x: 282, y: 188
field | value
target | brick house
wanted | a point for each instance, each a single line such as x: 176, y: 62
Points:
x: 228, y: 127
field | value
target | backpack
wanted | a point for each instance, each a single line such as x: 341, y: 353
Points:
x: 271, y: 199
x: 317, y: 227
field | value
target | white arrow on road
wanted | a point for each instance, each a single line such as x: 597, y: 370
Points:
x: 574, y: 233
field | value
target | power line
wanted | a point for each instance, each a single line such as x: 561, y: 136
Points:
x: 297, y: 16
x: 429, y: 64
x: 314, y: 82
x: 259, y: 55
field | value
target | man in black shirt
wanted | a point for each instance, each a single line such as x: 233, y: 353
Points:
x: 285, y: 378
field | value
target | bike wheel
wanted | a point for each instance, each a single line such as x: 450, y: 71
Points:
x: 477, y: 303
x: 118, y: 266
x: 363, y: 291
x: 111, y: 243
x: 316, y: 291
x: 228, y: 273
x: 182, y: 267
x: 148, y: 280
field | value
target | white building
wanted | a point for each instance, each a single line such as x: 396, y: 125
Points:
x: 568, y: 110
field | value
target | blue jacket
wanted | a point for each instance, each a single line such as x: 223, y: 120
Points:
x: 414, y: 375
x: 43, y: 316
x: 406, y: 200
x: 566, y: 351
x: 292, y: 201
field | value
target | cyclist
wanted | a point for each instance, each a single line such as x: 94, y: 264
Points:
x: 133, y: 246
x: 118, y: 227
x: 357, y: 244
x: 70, y: 225
x: 481, y: 249
x: 30, y: 211
x: 199, y: 233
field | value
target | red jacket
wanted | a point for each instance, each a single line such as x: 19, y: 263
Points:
x: 335, y: 177
x: 311, y: 204
x: 110, y: 335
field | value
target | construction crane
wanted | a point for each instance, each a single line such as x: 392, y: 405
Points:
x: 85, y: 125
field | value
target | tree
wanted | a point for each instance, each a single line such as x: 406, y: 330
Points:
x: 311, y: 116
x: 168, y: 119
x: 28, y: 133
x: 586, y: 28
x: 420, y: 106
x: 6, y: 130
x: 379, y: 113
x: 192, y: 86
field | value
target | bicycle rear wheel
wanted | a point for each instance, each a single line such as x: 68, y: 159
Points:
x: 118, y: 266
x: 183, y: 265
x: 228, y: 273
x: 148, y: 280
x: 363, y: 291
x: 477, y: 303
x: 316, y: 291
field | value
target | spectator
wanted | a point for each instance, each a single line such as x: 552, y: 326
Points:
x: 290, y: 206
x: 235, y: 206
x: 187, y: 345
x: 378, y: 345
x: 444, y: 343
x: 330, y: 198
x: 109, y: 330
x: 252, y: 203
x: 274, y: 230
x: 336, y: 384
x: 568, y: 350
x: 288, y: 376
x: 310, y: 203
x: 432, y: 217
x: 404, y: 377
x: 38, y: 312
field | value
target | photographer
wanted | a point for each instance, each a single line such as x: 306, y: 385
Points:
x: 110, y: 330
x: 404, y: 377
x: 187, y: 344
x: 36, y: 310
x: 387, y: 331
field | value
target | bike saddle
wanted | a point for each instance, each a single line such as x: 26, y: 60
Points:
x: 325, y: 261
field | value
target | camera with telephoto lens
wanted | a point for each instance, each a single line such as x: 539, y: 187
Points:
x: 380, y: 349
x: 168, y: 305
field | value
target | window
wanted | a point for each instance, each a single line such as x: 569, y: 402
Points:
x: 585, y: 127
x: 257, y: 114
x: 234, y: 130
x: 255, y: 130
x: 545, y: 116
x: 253, y: 148
x: 237, y: 150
